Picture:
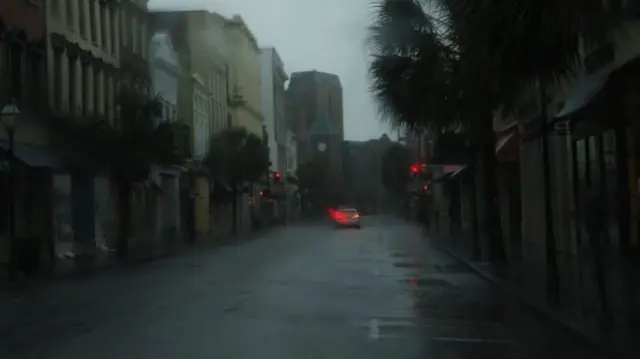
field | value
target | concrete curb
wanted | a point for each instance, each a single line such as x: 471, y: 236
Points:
x: 569, y: 328
x: 115, y: 264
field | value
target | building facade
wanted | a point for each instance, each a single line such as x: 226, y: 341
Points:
x: 165, y: 74
x: 273, y: 78
x: 199, y: 40
x: 83, y: 57
x: 243, y: 87
x: 23, y: 83
x: 315, y: 113
x: 83, y: 61
x: 292, y: 153
x: 315, y: 97
x: 201, y: 118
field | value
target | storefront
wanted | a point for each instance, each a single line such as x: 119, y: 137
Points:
x: 600, y: 120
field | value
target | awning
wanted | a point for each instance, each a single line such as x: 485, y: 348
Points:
x: 450, y: 172
x: 34, y: 156
x: 584, y: 91
x: 508, y: 147
x: 457, y: 172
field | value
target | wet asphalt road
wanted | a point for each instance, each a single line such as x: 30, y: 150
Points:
x: 305, y: 291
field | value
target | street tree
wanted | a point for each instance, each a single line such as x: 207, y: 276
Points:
x: 238, y: 159
x: 127, y: 149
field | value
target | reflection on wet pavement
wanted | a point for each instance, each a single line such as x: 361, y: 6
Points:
x: 300, y: 292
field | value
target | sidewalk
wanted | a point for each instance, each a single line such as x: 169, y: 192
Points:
x: 115, y: 265
x: 579, y: 310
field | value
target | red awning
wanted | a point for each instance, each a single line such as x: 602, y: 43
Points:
x: 508, y: 147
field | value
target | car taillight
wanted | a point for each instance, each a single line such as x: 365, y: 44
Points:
x: 356, y: 216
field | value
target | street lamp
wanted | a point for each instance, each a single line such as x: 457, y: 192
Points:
x: 9, y: 119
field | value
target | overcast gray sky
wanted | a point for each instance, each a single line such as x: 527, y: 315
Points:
x: 327, y: 35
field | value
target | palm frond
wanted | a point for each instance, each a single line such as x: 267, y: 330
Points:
x: 528, y: 39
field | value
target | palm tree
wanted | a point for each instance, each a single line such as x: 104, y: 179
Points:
x: 424, y: 79
x: 536, y: 42
x: 526, y: 43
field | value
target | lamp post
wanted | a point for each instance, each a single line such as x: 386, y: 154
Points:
x: 9, y: 118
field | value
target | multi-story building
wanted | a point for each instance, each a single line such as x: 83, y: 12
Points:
x: 203, y: 91
x: 243, y: 55
x: 165, y: 75
x: 83, y: 61
x: 314, y: 109
x: 292, y: 153
x: 273, y: 78
x: 134, y: 41
x: 23, y: 84
x: 202, y: 94
x: 83, y: 55
x: 201, y: 118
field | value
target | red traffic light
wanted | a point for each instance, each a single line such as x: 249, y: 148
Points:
x: 261, y: 193
x: 415, y: 168
x: 277, y: 175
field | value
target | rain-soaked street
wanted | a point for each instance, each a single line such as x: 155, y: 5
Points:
x: 305, y: 291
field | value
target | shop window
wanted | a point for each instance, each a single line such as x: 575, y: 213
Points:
x: 595, y: 170
x: 71, y: 6
x: 104, y: 28
x: 15, y: 66
x: 93, y: 23
x: 72, y: 85
x: 57, y: 81
x: 610, y: 185
x: 82, y: 19
x: 581, y: 162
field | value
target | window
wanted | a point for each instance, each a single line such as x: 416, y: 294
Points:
x: 82, y: 18
x: 15, y: 66
x: 93, y: 21
x: 108, y: 95
x: 72, y: 85
x: 113, y: 25
x: 104, y: 28
x: 96, y: 92
x: 594, y: 162
x: 125, y: 29
x: 85, y: 98
x: 134, y: 34
x: 70, y: 12
x: 55, y: 7
x: 36, y: 79
x: 143, y: 39
x: 57, y: 80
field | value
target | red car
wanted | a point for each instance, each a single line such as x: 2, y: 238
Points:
x: 346, y: 217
